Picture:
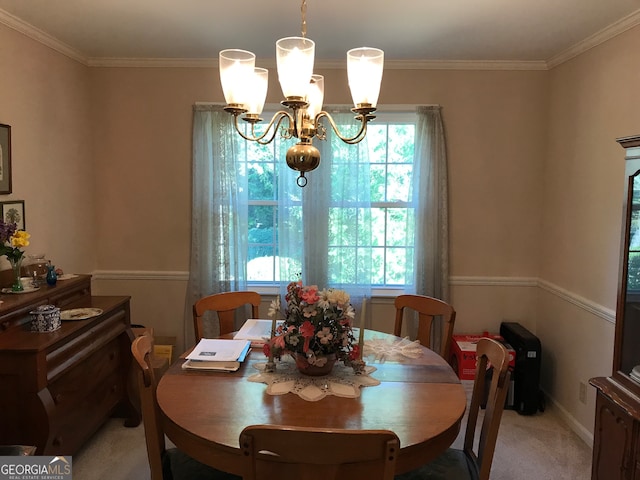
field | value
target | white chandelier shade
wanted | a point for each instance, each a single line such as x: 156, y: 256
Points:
x: 294, y: 60
x: 364, y: 70
x: 236, y: 74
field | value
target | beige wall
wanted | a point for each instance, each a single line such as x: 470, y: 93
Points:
x: 103, y: 158
x: 45, y: 98
x: 593, y: 101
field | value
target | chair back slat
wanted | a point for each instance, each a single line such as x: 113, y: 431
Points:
x: 224, y: 305
x: 427, y: 308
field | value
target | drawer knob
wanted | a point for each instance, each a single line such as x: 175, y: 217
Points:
x: 58, y: 398
x: 57, y: 441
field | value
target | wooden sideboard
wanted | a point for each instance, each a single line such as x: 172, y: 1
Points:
x: 58, y: 388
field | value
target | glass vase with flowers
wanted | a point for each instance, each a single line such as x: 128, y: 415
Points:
x: 317, y: 329
x: 11, y: 242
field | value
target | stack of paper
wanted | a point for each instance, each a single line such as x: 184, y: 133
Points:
x: 217, y: 354
x: 256, y: 330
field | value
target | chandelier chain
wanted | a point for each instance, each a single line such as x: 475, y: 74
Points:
x: 303, y: 11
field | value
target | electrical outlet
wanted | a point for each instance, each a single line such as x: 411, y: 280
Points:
x: 582, y: 393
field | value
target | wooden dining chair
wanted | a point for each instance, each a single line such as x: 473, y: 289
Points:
x: 224, y: 305
x: 466, y: 463
x: 427, y: 308
x: 165, y: 464
x: 308, y: 454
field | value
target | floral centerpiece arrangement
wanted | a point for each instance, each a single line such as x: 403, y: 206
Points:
x: 11, y: 241
x: 317, y: 329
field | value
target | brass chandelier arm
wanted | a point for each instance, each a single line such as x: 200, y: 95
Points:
x: 358, y: 137
x: 277, y: 119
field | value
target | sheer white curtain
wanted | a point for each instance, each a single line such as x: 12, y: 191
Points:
x: 326, y: 225
x: 219, y: 212
x: 430, y: 197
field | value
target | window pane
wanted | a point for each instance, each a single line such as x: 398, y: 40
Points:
x: 396, y: 227
x: 261, y: 264
x: 377, y: 141
x: 378, y: 222
x: 342, y: 226
x: 396, y: 261
x: 378, y: 266
x: 400, y: 147
x: 260, y: 178
x: 399, y: 182
x: 342, y: 265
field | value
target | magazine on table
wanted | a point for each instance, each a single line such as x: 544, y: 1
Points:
x: 256, y: 330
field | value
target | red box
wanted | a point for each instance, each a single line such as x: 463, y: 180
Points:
x: 463, y: 354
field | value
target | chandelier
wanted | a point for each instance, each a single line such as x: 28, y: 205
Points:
x: 245, y: 90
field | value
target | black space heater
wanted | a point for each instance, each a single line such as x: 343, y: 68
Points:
x: 528, y: 398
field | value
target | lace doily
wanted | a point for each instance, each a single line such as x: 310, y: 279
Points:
x: 342, y: 382
x: 393, y: 350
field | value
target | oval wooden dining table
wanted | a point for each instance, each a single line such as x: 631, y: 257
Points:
x: 420, y: 399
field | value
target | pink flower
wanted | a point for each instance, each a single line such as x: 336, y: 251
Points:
x: 308, y: 331
x: 279, y: 341
x: 309, y: 295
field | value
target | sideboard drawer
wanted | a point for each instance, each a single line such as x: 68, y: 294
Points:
x: 81, y: 348
x: 69, y: 390
x: 79, y: 416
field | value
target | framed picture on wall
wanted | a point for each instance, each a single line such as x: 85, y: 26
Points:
x: 13, y: 212
x: 5, y: 159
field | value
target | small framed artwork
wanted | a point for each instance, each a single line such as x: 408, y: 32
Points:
x: 5, y: 159
x: 13, y: 212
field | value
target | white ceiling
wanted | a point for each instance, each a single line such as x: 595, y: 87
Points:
x: 407, y: 30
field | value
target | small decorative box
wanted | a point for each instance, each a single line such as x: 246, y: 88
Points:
x: 45, y: 318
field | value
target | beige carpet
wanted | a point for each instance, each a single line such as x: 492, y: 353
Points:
x: 539, y: 447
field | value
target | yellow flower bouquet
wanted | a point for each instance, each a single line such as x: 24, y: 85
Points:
x: 11, y: 242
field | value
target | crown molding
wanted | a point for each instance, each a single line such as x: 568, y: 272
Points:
x: 323, y: 64
x: 465, y: 65
x: 39, y: 36
x: 596, y: 39
x: 153, y: 62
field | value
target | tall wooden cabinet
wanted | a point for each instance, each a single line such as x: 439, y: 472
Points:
x: 57, y: 388
x: 616, y: 447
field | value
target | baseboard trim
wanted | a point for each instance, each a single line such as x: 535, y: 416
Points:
x: 585, y: 435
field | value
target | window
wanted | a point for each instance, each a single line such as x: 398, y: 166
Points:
x: 381, y: 248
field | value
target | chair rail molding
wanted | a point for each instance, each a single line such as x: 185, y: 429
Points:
x: 605, y: 313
